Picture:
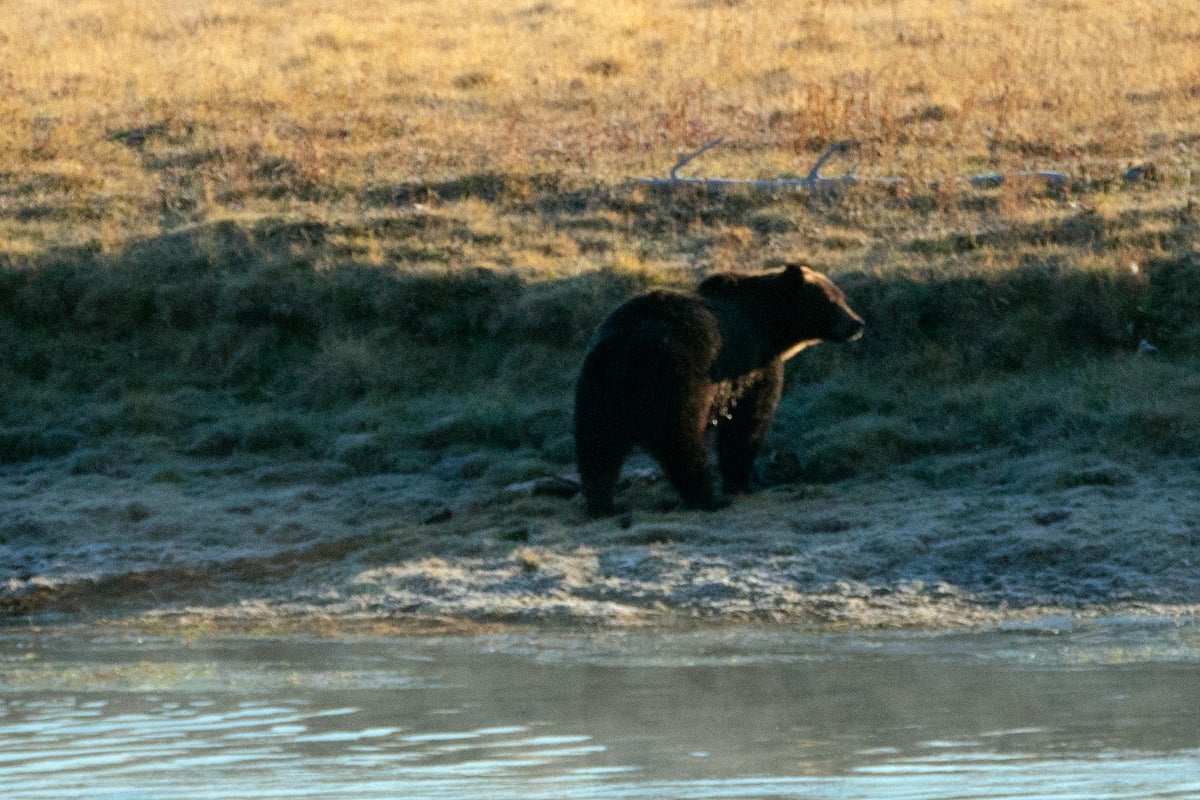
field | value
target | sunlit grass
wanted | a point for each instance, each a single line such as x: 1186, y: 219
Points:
x: 123, y: 116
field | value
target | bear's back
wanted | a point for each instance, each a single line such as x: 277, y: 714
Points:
x: 658, y: 316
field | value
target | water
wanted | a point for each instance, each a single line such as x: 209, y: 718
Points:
x: 1107, y: 710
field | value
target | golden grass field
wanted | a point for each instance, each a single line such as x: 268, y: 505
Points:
x: 123, y: 118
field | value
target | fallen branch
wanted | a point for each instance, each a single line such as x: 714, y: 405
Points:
x: 816, y: 181
x: 685, y: 159
x: 990, y: 180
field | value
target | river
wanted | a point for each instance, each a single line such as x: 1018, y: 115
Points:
x: 1054, y: 709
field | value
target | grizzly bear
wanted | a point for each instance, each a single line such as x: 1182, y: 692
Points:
x: 666, y: 366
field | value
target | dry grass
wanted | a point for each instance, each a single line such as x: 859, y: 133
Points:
x: 377, y: 236
x: 123, y: 118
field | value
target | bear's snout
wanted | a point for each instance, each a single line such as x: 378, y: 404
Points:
x: 850, y: 326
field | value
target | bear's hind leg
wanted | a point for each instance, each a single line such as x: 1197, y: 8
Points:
x: 599, y: 467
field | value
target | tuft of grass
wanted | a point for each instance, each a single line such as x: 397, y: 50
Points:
x: 509, y: 424
x: 27, y: 444
x: 343, y: 370
x: 273, y: 432
x: 1071, y: 477
x: 365, y: 454
x: 516, y: 469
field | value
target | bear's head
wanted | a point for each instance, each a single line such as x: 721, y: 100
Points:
x: 796, y: 306
x: 823, y: 312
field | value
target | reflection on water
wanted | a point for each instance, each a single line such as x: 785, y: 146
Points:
x: 1109, y: 711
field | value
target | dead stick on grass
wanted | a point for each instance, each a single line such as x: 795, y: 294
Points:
x: 815, y: 180
x: 685, y: 159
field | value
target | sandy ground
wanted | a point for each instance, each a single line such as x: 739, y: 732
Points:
x: 979, y: 540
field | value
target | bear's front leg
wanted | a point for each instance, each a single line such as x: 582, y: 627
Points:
x: 685, y: 461
x: 740, y: 437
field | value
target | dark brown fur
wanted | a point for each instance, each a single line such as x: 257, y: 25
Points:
x: 666, y: 366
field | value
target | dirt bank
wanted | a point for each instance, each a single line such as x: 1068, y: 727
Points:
x: 984, y: 539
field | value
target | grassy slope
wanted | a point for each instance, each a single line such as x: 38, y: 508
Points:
x: 270, y: 230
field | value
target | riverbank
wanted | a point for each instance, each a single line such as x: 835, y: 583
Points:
x: 245, y: 545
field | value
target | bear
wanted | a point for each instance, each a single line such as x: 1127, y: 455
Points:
x: 667, y: 366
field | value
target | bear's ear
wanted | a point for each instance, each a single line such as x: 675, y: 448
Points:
x: 796, y: 271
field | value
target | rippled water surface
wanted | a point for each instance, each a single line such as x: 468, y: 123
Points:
x: 1106, y: 710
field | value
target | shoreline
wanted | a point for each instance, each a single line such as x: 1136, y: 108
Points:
x: 196, y: 624
x: 411, y: 554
